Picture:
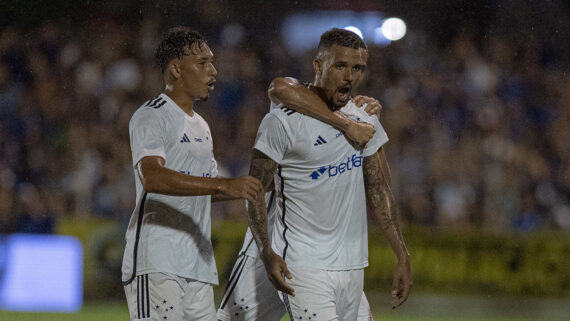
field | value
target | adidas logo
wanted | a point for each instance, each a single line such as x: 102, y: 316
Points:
x: 320, y: 141
x: 185, y: 139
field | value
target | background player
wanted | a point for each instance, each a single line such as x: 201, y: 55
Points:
x: 168, y: 265
x: 249, y: 295
x: 321, y: 226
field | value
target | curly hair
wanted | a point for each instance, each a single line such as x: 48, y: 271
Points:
x: 174, y: 43
x: 339, y: 37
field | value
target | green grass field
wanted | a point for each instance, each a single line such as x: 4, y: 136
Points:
x: 420, y: 307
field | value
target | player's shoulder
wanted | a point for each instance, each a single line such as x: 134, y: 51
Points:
x: 288, y: 111
x: 155, y: 103
x: 283, y: 112
x: 151, y: 110
x: 280, y: 117
x: 285, y: 115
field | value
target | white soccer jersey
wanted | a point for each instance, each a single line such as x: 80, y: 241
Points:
x: 249, y: 246
x: 171, y: 234
x: 320, y: 200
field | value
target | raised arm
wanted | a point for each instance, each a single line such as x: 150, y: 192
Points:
x: 380, y: 200
x: 264, y: 168
x: 302, y: 99
x: 158, y: 179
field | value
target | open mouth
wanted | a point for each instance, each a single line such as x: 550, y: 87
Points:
x: 343, y: 93
x: 344, y: 90
x: 211, y: 85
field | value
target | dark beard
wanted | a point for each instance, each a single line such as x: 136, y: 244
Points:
x: 334, y: 107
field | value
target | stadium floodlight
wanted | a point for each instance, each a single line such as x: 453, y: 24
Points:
x: 302, y: 31
x: 394, y: 28
x: 355, y: 30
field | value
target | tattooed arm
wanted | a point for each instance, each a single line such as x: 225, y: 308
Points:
x: 264, y: 168
x: 380, y: 200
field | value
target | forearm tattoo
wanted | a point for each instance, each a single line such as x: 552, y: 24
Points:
x: 262, y: 168
x: 380, y: 199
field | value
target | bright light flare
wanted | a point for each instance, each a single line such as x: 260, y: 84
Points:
x: 394, y: 28
x: 355, y: 30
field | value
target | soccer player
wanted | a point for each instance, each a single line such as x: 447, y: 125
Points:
x: 168, y: 265
x: 323, y: 186
x: 249, y: 296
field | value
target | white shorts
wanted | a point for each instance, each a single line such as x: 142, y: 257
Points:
x: 250, y: 296
x: 164, y: 297
x: 324, y: 295
x: 364, y: 312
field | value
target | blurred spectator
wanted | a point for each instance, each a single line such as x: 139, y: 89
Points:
x: 479, y: 126
x: 34, y: 216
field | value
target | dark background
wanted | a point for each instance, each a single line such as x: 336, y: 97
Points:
x: 476, y: 104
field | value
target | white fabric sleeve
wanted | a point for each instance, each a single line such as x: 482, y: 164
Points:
x: 147, y: 135
x: 273, y: 136
x: 380, y: 138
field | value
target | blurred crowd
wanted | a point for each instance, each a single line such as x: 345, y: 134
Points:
x: 479, y: 129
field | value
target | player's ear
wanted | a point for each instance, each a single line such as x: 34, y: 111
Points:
x: 318, y: 66
x: 174, y: 68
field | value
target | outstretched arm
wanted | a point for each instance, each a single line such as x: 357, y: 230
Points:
x: 158, y: 179
x: 264, y: 168
x: 219, y: 197
x: 302, y: 99
x: 380, y: 200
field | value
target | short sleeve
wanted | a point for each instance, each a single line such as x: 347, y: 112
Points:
x: 380, y: 138
x: 147, y: 135
x: 273, y: 137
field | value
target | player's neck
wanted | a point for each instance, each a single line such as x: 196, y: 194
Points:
x: 321, y: 93
x: 183, y: 101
